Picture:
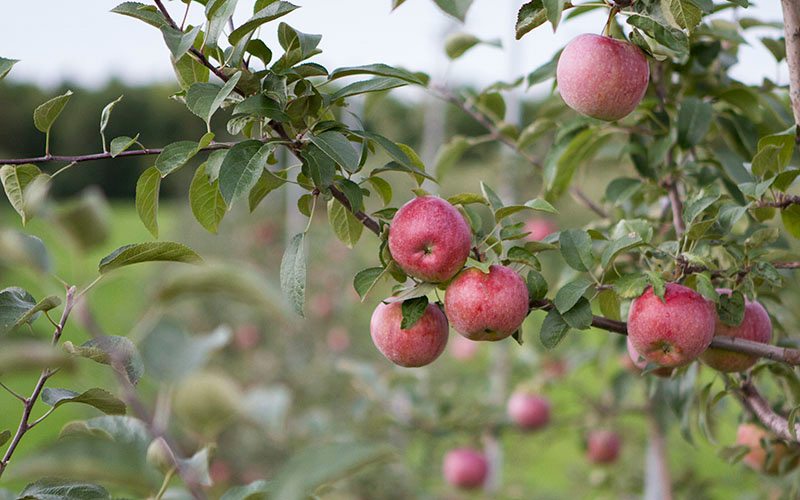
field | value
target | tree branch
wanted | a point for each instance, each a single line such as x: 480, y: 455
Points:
x: 24, y: 423
x: 791, y: 23
x: 752, y: 399
x: 781, y: 201
x: 103, y: 156
x: 677, y: 208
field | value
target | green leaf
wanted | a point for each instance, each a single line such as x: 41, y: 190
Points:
x: 61, y: 489
x: 146, y: 13
x: 155, y: 251
x: 580, y: 315
x: 116, y: 352
x: 174, y: 156
x: 377, y: 70
x: 345, y: 226
x: 268, y: 182
x: 204, y: 99
x: 571, y: 293
x: 98, y: 398
x: 576, y: 248
x: 179, y: 42
x: 791, y: 220
x: 206, y: 201
x: 609, y: 304
x: 104, y: 117
x: 671, y: 38
x: 631, y: 286
x: 694, y: 120
x: 553, y: 8
x: 269, y: 13
x: 15, y: 179
x: 624, y: 244
x: 147, y: 191
x: 456, y: 8
x: 563, y: 160
x: 531, y: 15
x: 261, y: 105
x: 467, y: 198
x: 774, y: 154
x: 541, y: 74
x: 15, y: 303
x: 190, y: 71
x: 383, y: 188
x: 297, y: 46
x: 537, y: 204
x: 320, y: 167
x: 241, y: 169
x: 218, y: 12
x: 365, y: 280
x: 314, y: 467
x: 6, y: 65
x: 730, y: 308
x: 457, y: 44
x: 293, y: 273
x: 554, y: 329
x: 336, y: 146
x: 376, y: 84
x: 4, y: 437
x: 171, y: 354
x: 413, y: 310
x: 122, y: 143
x: 685, y: 13
x: 46, y: 304
x: 46, y: 114
x: 537, y: 286
x: 256, y: 490
x: 494, y: 200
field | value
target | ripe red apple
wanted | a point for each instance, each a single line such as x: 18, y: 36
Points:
x: 755, y: 326
x: 429, y: 239
x: 417, y: 346
x: 601, y: 77
x: 465, y: 468
x: 602, y: 446
x: 489, y: 306
x: 673, y: 332
x: 462, y: 348
x: 528, y: 411
x: 539, y: 228
x: 751, y: 435
x: 638, y: 363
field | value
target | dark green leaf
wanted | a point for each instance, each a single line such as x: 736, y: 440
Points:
x: 413, y: 310
x: 576, y: 248
x: 268, y: 182
x: 537, y: 286
x: 146, y: 13
x: 553, y: 8
x: 554, y: 329
x: 571, y: 293
x: 580, y: 315
x: 174, y: 156
x: 14, y: 305
x: 531, y: 15
x: 377, y: 70
x: 269, y: 13
x: 376, y: 84
x: 336, y: 146
x: 365, y: 280
x: 98, y: 398
x: 730, y: 308
x: 205, y: 200
x: 148, y: 252
x: 242, y: 168
x: 624, y: 244
x: 204, y: 99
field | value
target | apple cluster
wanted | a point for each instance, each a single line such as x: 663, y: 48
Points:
x: 675, y: 330
x: 430, y: 241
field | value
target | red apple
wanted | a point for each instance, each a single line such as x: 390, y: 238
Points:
x: 465, y: 468
x: 539, y: 228
x: 555, y: 368
x: 751, y: 435
x: 489, y: 306
x: 528, y: 411
x: 246, y: 337
x: 673, y: 332
x: 638, y: 363
x: 602, y: 446
x: 462, y: 348
x: 429, y: 239
x: 755, y: 326
x: 417, y: 346
x: 601, y: 77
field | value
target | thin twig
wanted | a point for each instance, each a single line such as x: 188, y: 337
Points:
x: 103, y: 156
x: 14, y: 393
x: 24, y: 422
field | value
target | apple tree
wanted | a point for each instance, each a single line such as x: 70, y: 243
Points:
x: 689, y: 252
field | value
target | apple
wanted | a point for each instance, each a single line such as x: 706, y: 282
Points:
x: 465, y: 468
x: 638, y: 364
x: 601, y: 77
x: 338, y: 339
x: 429, y: 239
x: 672, y: 332
x: 755, y: 326
x: 246, y: 337
x: 528, y: 411
x: 751, y: 435
x: 539, y: 228
x: 602, y: 446
x: 417, y: 346
x: 487, y: 306
x: 462, y: 348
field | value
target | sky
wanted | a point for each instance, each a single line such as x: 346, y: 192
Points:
x: 82, y: 42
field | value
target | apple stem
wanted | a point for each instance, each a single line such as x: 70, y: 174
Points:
x: 607, y: 27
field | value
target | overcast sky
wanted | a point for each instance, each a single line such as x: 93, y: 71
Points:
x: 80, y: 41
